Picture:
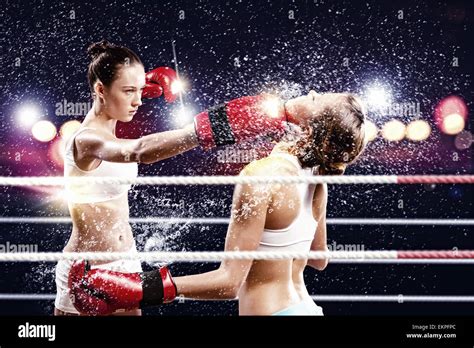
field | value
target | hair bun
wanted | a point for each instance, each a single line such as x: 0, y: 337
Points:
x: 97, y: 48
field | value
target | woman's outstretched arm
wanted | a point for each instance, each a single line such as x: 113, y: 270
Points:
x: 249, y: 210
x: 96, y: 144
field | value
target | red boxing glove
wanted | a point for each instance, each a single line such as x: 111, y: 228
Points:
x: 160, y: 81
x: 239, y: 120
x: 102, y: 292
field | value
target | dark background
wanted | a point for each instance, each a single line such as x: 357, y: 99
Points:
x: 234, y: 48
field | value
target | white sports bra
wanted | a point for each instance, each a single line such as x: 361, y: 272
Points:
x: 299, y: 235
x: 90, y: 192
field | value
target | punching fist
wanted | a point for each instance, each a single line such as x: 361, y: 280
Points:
x: 102, y: 292
x: 162, y: 80
x: 239, y: 120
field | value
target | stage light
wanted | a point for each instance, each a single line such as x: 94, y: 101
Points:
x: 371, y: 131
x: 177, y: 86
x: 44, y: 131
x: 377, y: 97
x: 418, y: 130
x: 27, y: 115
x: 393, y: 130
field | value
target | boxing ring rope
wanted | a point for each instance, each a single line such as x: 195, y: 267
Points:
x: 233, y: 180
x: 370, y: 257
x: 319, y: 298
x: 462, y: 256
x: 226, y: 221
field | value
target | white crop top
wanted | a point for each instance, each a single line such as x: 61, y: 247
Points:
x: 299, y: 235
x: 90, y: 192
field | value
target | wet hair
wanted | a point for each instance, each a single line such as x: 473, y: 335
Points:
x: 106, y: 60
x: 337, y: 139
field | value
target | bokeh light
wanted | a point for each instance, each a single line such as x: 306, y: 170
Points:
x: 463, y: 140
x: 418, y: 130
x: 393, y: 130
x: 56, y: 152
x: 371, y: 131
x: 454, y: 108
x: 453, y: 124
x: 68, y: 129
x: 44, y: 131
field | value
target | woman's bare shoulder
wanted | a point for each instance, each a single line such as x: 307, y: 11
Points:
x: 268, y: 166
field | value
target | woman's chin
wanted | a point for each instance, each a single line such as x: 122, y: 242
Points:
x: 127, y: 118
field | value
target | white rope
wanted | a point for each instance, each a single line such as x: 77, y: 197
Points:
x: 27, y: 297
x: 404, y: 222
x: 390, y: 298
x: 225, y: 221
x: 215, y: 256
x: 370, y: 256
x: 199, y: 180
x: 318, y: 298
x: 138, y: 220
x: 203, y: 256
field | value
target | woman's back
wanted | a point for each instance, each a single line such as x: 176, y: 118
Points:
x: 289, y: 226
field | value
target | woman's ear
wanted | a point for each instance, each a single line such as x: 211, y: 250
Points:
x: 99, y: 91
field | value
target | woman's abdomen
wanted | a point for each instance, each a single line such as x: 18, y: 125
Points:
x: 100, y: 226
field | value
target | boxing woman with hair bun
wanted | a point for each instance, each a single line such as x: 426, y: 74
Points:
x: 100, y: 213
x: 264, y: 217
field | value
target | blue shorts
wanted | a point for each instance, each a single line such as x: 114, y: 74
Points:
x: 305, y: 307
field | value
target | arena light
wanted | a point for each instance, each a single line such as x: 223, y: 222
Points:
x: 377, y: 96
x: 177, y: 87
x: 418, y: 130
x: 44, y: 131
x: 27, y: 115
x: 453, y: 124
x: 393, y: 130
x: 371, y: 131
x: 68, y: 129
